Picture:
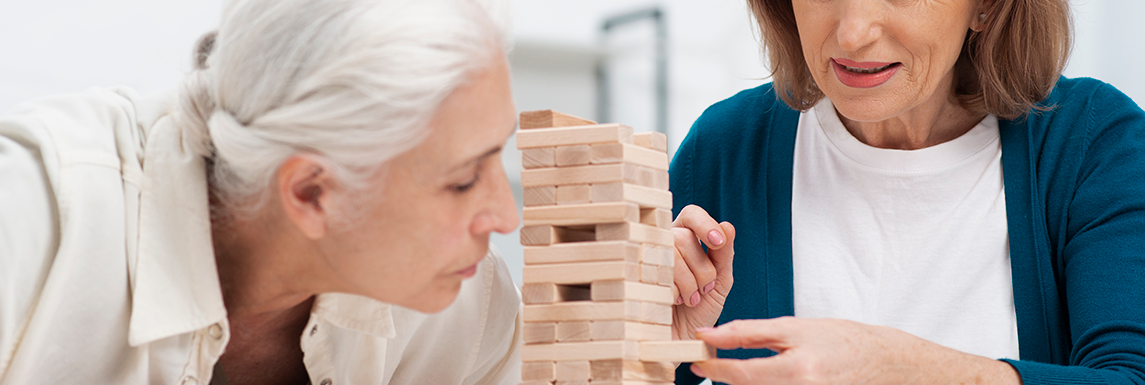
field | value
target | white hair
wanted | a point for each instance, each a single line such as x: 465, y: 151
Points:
x: 354, y: 82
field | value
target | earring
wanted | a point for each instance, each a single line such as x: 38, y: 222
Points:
x: 981, y: 17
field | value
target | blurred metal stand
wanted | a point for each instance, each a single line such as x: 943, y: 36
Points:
x: 603, y: 72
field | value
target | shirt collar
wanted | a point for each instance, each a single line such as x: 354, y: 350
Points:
x: 176, y: 287
x: 356, y: 313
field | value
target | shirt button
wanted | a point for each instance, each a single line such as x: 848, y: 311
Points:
x: 313, y: 331
x: 189, y: 380
x: 216, y: 331
x: 326, y: 382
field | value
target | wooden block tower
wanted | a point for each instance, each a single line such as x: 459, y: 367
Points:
x: 598, y: 255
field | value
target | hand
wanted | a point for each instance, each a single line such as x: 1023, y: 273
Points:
x: 702, y: 279
x: 829, y: 351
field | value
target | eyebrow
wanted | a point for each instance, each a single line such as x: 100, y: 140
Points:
x: 488, y: 153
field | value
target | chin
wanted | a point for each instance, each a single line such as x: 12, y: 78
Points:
x: 434, y: 300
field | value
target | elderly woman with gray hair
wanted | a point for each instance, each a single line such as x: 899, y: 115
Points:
x: 329, y: 173
x: 928, y: 197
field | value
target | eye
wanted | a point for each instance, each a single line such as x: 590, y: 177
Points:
x: 465, y: 187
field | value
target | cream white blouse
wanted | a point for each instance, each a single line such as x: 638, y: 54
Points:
x: 107, y: 274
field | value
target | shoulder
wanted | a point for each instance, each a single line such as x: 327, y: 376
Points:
x: 748, y: 108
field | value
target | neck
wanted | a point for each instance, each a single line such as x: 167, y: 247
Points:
x: 934, y: 122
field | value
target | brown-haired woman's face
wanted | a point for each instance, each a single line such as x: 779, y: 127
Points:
x: 876, y: 59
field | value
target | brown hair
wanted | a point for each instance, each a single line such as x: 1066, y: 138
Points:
x: 1005, y: 69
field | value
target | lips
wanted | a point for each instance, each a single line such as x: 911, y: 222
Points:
x: 863, y: 74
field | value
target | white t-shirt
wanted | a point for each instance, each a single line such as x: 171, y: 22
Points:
x: 914, y: 240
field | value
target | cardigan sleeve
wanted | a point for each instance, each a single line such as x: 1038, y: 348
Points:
x: 1101, y: 272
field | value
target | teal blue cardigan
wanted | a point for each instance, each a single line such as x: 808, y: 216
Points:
x: 1075, y: 207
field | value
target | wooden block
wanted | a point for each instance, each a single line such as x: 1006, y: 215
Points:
x: 667, y: 276
x: 574, y: 194
x: 577, y: 155
x: 605, y: 153
x: 656, y: 217
x: 581, y: 272
x: 634, y: 232
x: 583, y: 311
x: 649, y: 273
x: 545, y: 292
x: 628, y: 192
x: 626, y: 290
x: 627, y: 330
x: 543, y: 235
x: 539, y: 196
x: 657, y: 255
x: 585, y: 252
x: 538, y: 371
x: 652, y: 140
x: 574, y: 331
x: 655, y: 313
x: 618, y: 370
x: 594, y: 174
x: 567, y: 136
x: 550, y: 118
x: 548, y: 382
x: 539, y: 157
x: 539, y: 332
x: 572, y: 371
x: 676, y: 351
x: 574, y: 351
x: 582, y: 214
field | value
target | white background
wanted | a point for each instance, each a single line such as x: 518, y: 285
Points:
x: 55, y: 46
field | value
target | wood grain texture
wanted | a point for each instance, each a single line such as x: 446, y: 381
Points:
x: 630, y: 330
x: 581, y: 272
x: 539, y: 196
x: 656, y: 217
x: 550, y: 118
x: 538, y: 371
x: 574, y: 135
x: 617, y: 290
x: 657, y: 255
x: 617, y: 370
x: 581, y: 214
x: 583, y: 311
x: 575, y: 155
x: 676, y: 351
x: 572, y: 331
x: 605, y: 153
x: 539, y: 157
x: 594, y: 174
x: 574, y: 194
x: 569, y: 371
x: 539, y: 332
x: 572, y: 351
x: 651, y: 140
x: 547, y: 292
x: 543, y: 235
x: 635, y: 232
x: 645, y: 197
x: 585, y: 252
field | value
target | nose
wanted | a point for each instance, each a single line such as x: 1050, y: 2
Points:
x: 858, y: 24
x: 501, y: 215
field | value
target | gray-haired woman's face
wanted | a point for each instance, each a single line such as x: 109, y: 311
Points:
x: 429, y: 224
x: 876, y: 59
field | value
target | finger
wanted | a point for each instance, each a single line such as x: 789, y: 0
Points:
x: 721, y: 260
x: 776, y: 334
x: 769, y: 370
x: 696, y: 262
x: 707, y: 229
x: 685, y: 282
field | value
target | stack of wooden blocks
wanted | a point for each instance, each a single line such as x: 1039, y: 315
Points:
x: 598, y: 255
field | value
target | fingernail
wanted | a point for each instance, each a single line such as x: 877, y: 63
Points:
x: 696, y: 369
x: 715, y: 238
x: 679, y: 299
x: 705, y: 329
x: 695, y: 300
x: 709, y: 287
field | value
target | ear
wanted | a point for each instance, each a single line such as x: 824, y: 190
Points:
x: 983, y: 15
x: 304, y: 185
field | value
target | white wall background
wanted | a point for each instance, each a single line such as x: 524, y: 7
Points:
x: 55, y: 46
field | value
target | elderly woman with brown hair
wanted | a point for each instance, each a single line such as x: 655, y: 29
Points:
x: 928, y: 197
